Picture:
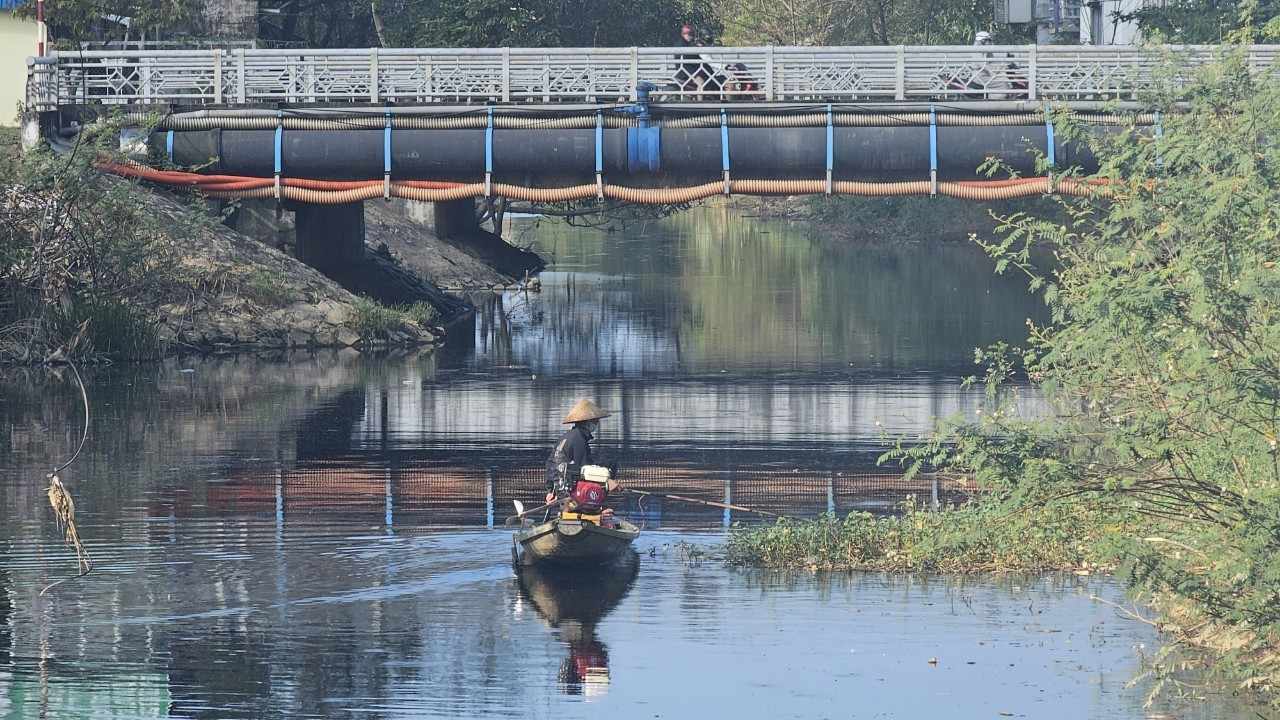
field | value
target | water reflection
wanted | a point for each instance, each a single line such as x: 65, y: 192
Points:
x: 574, y: 603
x: 707, y: 291
x: 282, y: 537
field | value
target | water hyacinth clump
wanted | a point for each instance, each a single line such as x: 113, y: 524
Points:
x: 975, y: 538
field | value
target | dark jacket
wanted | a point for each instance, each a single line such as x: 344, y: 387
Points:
x: 564, y: 466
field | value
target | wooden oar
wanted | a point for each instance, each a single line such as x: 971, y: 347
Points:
x: 521, y: 513
x: 681, y: 498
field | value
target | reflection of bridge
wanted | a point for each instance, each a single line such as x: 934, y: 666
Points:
x: 423, y: 492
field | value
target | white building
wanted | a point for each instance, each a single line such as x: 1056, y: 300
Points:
x: 1099, y: 26
x: 1093, y: 22
x: 17, y: 43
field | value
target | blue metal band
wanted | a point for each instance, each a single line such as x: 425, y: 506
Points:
x: 831, y: 141
x: 599, y: 141
x: 386, y: 146
x: 724, y: 140
x: 1049, y: 141
x: 168, y: 145
x: 279, y: 140
x: 933, y: 140
x: 488, y: 144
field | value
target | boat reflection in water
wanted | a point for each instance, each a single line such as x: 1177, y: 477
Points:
x: 574, y: 601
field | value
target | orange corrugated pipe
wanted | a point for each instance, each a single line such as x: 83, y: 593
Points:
x: 344, y: 191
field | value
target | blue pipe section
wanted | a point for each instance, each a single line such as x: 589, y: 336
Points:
x: 644, y: 143
x: 644, y: 150
x: 168, y: 145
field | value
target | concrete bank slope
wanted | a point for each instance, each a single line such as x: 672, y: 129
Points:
x: 235, y: 292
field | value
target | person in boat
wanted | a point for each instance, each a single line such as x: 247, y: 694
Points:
x: 573, y: 450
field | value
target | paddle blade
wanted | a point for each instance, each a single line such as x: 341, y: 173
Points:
x: 519, y: 507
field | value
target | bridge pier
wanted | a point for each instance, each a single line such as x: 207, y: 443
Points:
x: 330, y: 238
x: 455, y: 220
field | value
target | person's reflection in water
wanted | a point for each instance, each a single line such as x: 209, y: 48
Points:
x: 574, y: 601
x: 586, y: 670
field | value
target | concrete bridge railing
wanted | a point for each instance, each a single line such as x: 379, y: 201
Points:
x: 246, y: 76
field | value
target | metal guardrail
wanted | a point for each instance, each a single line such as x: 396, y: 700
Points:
x: 604, y: 75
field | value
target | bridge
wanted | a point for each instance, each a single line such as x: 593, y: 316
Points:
x: 324, y: 130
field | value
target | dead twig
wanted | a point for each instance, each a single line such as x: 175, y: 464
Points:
x: 64, y: 507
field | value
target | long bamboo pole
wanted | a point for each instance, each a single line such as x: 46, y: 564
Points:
x: 682, y: 498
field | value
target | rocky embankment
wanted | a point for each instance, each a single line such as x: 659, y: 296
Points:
x: 259, y: 296
x: 233, y: 291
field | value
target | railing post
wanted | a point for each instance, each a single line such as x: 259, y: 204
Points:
x: 900, y: 75
x: 218, y: 77
x: 240, y: 79
x: 373, y: 75
x: 546, y: 79
x: 635, y: 74
x: 147, y: 91
x: 506, y: 74
x: 1031, y: 74
x: 769, y: 90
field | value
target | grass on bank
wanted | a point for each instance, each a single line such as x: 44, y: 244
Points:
x: 374, y: 320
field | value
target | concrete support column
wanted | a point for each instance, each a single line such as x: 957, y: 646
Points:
x: 330, y: 238
x: 455, y: 219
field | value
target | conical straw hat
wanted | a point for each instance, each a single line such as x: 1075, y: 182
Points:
x: 585, y: 410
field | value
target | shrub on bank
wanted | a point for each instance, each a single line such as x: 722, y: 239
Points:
x: 1162, y: 365
x: 76, y: 252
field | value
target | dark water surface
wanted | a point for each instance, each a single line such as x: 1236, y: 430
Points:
x: 320, y: 535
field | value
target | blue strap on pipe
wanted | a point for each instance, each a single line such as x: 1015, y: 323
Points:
x: 488, y: 155
x: 600, y: 153
x: 386, y: 157
x: 724, y: 147
x: 168, y: 145
x: 831, y: 147
x: 1048, y: 133
x: 278, y: 143
x: 933, y: 151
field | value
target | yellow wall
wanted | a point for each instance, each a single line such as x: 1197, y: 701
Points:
x: 17, y: 43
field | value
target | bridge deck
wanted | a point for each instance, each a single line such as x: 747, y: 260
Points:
x: 556, y: 76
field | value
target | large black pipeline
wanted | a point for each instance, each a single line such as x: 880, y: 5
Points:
x: 640, y: 157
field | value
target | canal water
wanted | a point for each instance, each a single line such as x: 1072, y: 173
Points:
x: 320, y: 534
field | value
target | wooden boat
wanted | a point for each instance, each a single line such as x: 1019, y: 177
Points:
x: 571, y: 540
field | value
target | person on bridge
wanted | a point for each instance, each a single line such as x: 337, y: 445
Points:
x: 564, y: 466
x: 692, y: 73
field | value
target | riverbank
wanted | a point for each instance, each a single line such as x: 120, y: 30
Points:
x: 1160, y: 364
x: 99, y: 267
